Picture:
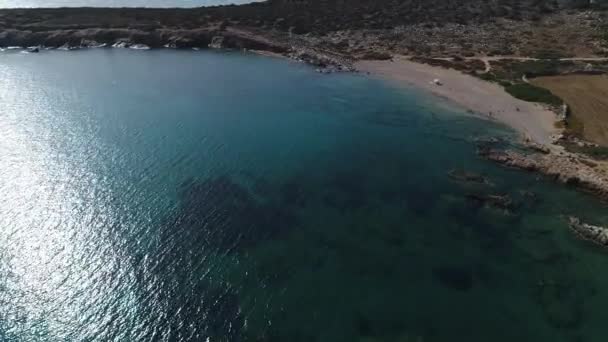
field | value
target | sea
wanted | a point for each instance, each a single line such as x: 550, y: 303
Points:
x: 168, y: 195
x: 116, y: 3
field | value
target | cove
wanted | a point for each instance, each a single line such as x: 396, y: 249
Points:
x: 190, y: 196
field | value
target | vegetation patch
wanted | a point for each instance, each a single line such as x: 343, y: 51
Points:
x: 594, y: 152
x: 469, y: 66
x: 575, y: 126
x: 513, y: 70
x: 541, y: 67
x: 597, y: 152
x: 603, y: 36
x: 531, y: 93
x: 550, y: 54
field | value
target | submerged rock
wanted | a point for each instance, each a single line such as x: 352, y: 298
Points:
x: 223, y: 215
x: 529, y: 198
x: 562, y: 302
x: 459, y: 278
x: 293, y: 193
x: 596, y: 234
x: 488, y: 141
x: 504, y: 202
x: 468, y: 177
x: 564, y: 167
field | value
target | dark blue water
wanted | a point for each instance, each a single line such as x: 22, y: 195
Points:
x: 205, y: 196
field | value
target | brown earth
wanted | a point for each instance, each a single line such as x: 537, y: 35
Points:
x: 587, y: 96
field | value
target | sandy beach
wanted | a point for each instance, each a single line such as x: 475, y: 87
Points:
x: 488, y: 100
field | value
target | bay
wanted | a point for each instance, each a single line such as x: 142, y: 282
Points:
x: 222, y: 196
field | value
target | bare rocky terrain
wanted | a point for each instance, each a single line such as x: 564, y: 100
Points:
x: 363, y: 29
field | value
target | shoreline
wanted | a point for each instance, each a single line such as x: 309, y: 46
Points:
x: 486, y: 100
x: 535, y: 124
x: 351, y: 43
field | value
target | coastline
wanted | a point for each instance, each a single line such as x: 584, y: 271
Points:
x: 487, y: 100
x: 536, y: 125
x: 337, y: 166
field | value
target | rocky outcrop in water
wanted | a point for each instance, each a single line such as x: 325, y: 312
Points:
x: 563, y: 167
x: 595, y: 234
x: 497, y: 201
x: 459, y: 278
x: 467, y: 177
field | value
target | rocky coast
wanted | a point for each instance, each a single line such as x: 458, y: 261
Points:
x: 595, y: 234
x: 77, y: 28
x: 564, y: 167
x: 571, y: 169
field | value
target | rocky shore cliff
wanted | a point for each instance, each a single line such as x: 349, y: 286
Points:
x: 337, y: 30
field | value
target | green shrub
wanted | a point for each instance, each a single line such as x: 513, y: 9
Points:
x: 575, y: 126
x: 531, y: 93
x: 489, y: 76
x: 538, y: 68
x: 597, y: 152
x: 550, y: 54
x: 603, y: 36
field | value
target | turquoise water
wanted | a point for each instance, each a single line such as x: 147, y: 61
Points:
x: 116, y: 3
x: 207, y: 196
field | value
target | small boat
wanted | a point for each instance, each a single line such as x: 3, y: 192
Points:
x: 33, y: 49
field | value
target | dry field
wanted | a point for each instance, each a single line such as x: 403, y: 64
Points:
x: 587, y: 96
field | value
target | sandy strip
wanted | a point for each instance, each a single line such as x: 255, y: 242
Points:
x: 489, y: 100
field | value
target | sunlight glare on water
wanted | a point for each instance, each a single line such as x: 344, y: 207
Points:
x: 224, y: 196
x: 54, y: 267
